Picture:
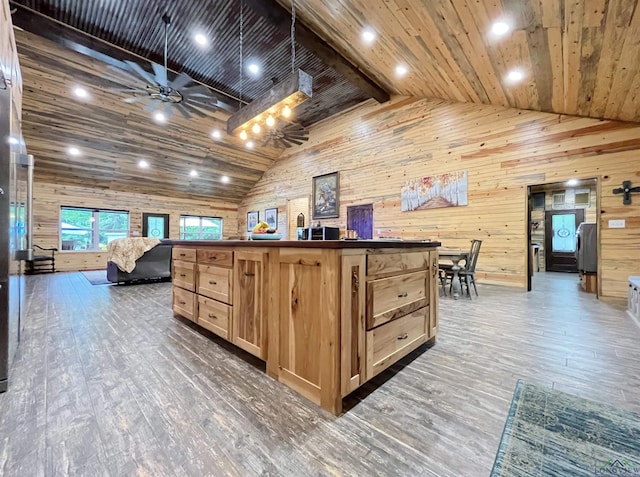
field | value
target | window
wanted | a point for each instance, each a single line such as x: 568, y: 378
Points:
x: 583, y: 197
x: 91, y: 229
x: 200, y: 228
x: 558, y: 199
x: 538, y: 200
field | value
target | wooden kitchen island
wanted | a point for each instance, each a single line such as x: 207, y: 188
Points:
x: 326, y: 316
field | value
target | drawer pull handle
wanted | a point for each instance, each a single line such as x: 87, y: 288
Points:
x: 211, y: 282
x: 246, y: 274
x: 211, y: 315
x: 402, y: 295
x: 183, y: 254
x: 403, y: 336
x: 182, y: 302
x: 183, y: 274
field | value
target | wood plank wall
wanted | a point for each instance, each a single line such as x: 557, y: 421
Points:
x: 377, y: 147
x: 9, y: 54
x: 48, y: 198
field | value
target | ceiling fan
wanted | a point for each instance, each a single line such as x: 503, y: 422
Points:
x: 286, y: 134
x: 183, y: 93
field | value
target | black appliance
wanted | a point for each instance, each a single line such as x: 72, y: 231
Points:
x: 587, y: 247
x: 16, y: 183
x: 321, y: 233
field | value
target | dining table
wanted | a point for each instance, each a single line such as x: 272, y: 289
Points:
x: 454, y: 256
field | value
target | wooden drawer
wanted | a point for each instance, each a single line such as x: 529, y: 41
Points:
x: 184, y: 275
x: 390, y: 342
x: 214, y: 316
x: 212, y: 256
x: 393, y: 297
x: 184, y: 254
x: 215, y: 282
x: 384, y: 263
x: 184, y: 303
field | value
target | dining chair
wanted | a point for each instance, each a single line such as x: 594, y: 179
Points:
x: 467, y: 274
x: 43, y: 261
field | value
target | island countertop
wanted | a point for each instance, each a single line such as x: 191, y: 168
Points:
x: 326, y: 244
x: 325, y: 315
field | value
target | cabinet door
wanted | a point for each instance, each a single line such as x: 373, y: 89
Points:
x: 249, y: 298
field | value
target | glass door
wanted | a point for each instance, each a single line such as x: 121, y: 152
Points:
x: 155, y: 226
x: 560, y: 239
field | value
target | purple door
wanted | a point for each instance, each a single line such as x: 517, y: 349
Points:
x: 360, y: 219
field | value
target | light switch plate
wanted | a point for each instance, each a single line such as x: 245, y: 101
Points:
x: 616, y: 224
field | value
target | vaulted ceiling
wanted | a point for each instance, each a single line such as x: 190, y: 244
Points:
x: 576, y: 57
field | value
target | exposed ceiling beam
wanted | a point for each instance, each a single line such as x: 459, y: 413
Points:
x: 76, y: 40
x: 277, y: 15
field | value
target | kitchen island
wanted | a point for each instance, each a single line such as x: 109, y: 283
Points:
x: 326, y: 316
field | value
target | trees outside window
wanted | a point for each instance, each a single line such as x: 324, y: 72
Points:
x: 200, y: 228
x: 91, y: 229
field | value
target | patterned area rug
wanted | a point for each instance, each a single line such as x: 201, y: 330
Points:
x: 550, y: 433
x: 97, y: 277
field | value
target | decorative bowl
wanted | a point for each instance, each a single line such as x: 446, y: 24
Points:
x: 266, y: 236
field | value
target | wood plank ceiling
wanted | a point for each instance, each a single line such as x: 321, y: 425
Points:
x: 579, y: 57
x: 576, y: 57
x: 113, y: 136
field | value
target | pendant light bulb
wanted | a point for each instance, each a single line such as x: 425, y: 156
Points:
x: 286, y: 112
x: 256, y: 128
x: 243, y: 135
x: 270, y: 121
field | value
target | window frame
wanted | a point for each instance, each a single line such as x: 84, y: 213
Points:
x: 182, y: 232
x: 95, y: 229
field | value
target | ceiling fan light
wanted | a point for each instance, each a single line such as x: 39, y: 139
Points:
x: 270, y: 121
x: 256, y: 128
x: 243, y: 135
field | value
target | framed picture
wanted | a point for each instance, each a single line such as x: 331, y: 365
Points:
x: 271, y: 217
x: 252, y: 219
x: 326, y: 196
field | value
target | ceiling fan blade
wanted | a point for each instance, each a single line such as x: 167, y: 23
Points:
x: 152, y: 107
x: 161, y: 74
x: 135, y: 99
x: 140, y: 71
x: 196, y: 90
x: 124, y: 90
x: 181, y: 81
x: 183, y: 110
x: 288, y: 139
x: 201, y: 112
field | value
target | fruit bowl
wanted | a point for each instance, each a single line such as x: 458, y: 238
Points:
x: 266, y: 236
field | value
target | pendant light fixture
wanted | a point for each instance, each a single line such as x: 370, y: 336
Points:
x: 279, y: 101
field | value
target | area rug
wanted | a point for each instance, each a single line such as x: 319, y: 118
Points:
x: 551, y: 433
x: 97, y: 277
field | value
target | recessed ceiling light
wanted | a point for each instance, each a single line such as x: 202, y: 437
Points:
x: 500, y: 28
x: 80, y: 92
x: 368, y: 35
x: 13, y: 140
x: 572, y: 182
x: 216, y: 134
x: 200, y: 39
x: 515, y: 76
x: 250, y: 144
x: 225, y: 179
x: 253, y: 68
x: 401, y: 71
x: 193, y: 173
x: 143, y: 164
x: 73, y: 151
x: 159, y: 117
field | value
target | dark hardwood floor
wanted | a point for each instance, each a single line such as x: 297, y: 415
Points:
x: 107, y: 382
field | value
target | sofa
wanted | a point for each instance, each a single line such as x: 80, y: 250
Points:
x: 154, y: 264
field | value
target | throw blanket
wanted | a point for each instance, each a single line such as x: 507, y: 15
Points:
x: 125, y: 252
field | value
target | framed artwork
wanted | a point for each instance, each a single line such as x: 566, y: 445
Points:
x: 252, y: 219
x: 271, y: 217
x: 431, y: 192
x: 326, y: 196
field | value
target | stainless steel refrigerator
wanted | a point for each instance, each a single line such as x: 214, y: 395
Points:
x: 16, y: 181
x: 587, y: 247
